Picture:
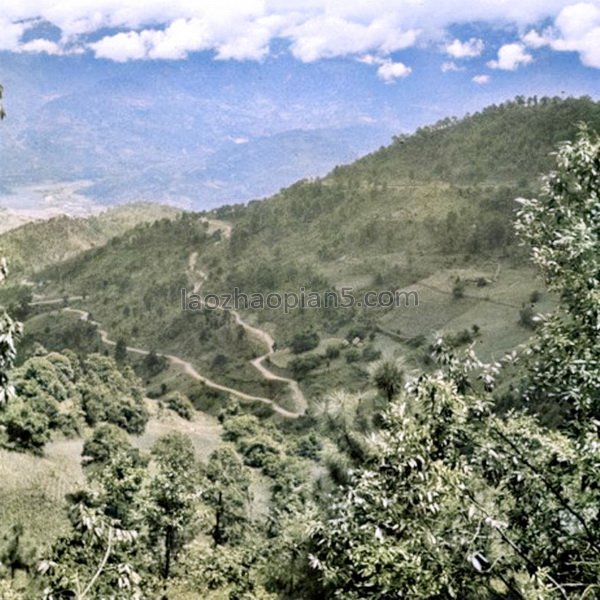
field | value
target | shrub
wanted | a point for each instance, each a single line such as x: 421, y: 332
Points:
x: 303, y: 342
x: 460, y: 338
x: 332, y: 351
x: 369, y: 354
x: 358, y: 331
x: 26, y: 429
x: 308, y: 446
x: 154, y: 364
x: 527, y: 317
x: 113, y: 396
x: 107, y: 439
x: 458, y: 289
x: 353, y: 355
x: 180, y: 404
x: 302, y: 365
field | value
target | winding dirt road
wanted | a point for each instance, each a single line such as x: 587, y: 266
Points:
x: 259, y: 334
x: 187, y: 368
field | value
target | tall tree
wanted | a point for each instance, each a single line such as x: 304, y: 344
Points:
x: 172, y: 496
x: 226, y: 490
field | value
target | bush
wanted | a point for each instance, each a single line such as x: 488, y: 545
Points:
x: 458, y: 290
x: 303, y: 342
x: 460, y: 338
x: 302, y: 365
x: 113, y: 396
x: 369, y: 354
x: 26, y: 429
x: 258, y: 451
x: 107, y: 439
x: 527, y: 317
x: 359, y: 331
x: 332, y: 351
x: 154, y: 364
x: 353, y: 355
x: 180, y: 404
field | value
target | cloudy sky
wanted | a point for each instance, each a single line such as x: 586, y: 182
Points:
x: 490, y: 49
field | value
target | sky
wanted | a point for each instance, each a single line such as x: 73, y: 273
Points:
x: 427, y: 51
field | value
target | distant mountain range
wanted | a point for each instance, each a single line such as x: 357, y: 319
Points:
x: 145, y: 132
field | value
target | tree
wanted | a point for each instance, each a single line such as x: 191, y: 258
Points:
x: 304, y: 341
x: 9, y: 333
x: 112, y: 395
x: 26, y: 428
x: 180, y: 403
x: 106, y: 441
x: 563, y: 231
x: 226, y: 490
x: 101, y: 554
x: 388, y: 377
x: 14, y: 555
x: 451, y: 501
x: 120, y: 351
x: 172, y: 497
x: 454, y: 501
x: 93, y: 559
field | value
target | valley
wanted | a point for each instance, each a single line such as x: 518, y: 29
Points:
x: 247, y: 448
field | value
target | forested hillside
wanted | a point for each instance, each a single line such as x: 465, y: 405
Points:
x: 506, y: 143
x: 34, y: 245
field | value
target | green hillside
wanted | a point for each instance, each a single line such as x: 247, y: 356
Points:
x: 391, y: 221
x: 507, y: 143
x: 36, y: 245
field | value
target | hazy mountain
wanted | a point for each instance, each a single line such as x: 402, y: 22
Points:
x: 155, y: 132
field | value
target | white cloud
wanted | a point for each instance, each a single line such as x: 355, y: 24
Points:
x: 123, y: 46
x: 389, y: 71
x: 481, y: 79
x: 10, y: 34
x: 469, y: 49
x: 314, y: 29
x: 450, y: 66
x: 576, y: 29
x: 41, y: 45
x: 328, y: 36
x: 510, y: 57
x: 534, y: 40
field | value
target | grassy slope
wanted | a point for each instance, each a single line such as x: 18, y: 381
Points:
x: 36, y: 245
x: 382, y: 222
